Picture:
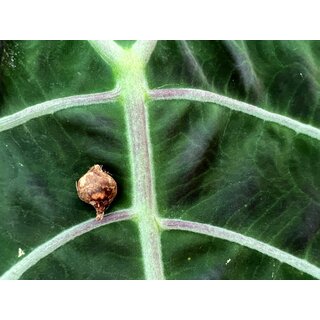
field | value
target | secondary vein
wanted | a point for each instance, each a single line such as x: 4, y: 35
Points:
x: 207, y: 96
x: 225, y: 234
x: 17, y: 270
x: 52, y: 106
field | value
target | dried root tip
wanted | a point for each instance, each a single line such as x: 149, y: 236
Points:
x: 97, y: 188
x: 99, y: 216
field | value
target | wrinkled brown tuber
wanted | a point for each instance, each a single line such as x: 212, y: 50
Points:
x: 97, y: 188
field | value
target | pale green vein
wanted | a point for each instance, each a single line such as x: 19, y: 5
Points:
x: 129, y: 66
x: 51, y: 106
x: 225, y: 234
x: 193, y: 63
x: 133, y: 84
x: 206, y: 96
x: 244, y: 64
x: 144, y: 49
x: 17, y: 270
x: 108, y: 50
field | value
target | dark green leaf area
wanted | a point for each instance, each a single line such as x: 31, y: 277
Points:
x: 237, y: 172
x: 199, y: 257
x: 280, y: 76
x: 221, y: 66
x: 110, y: 252
x: 42, y: 160
x: 36, y: 71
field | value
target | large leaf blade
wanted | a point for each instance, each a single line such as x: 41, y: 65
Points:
x: 211, y: 165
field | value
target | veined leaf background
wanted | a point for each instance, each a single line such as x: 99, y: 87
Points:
x: 247, y: 186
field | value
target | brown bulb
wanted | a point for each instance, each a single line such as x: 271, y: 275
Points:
x: 97, y: 188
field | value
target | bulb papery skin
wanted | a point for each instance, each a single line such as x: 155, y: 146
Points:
x: 97, y: 188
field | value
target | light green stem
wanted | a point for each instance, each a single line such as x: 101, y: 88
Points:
x: 129, y: 67
x: 144, y: 49
x: 133, y: 89
x: 108, y: 50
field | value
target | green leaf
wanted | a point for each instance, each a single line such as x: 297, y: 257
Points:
x: 216, y: 186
